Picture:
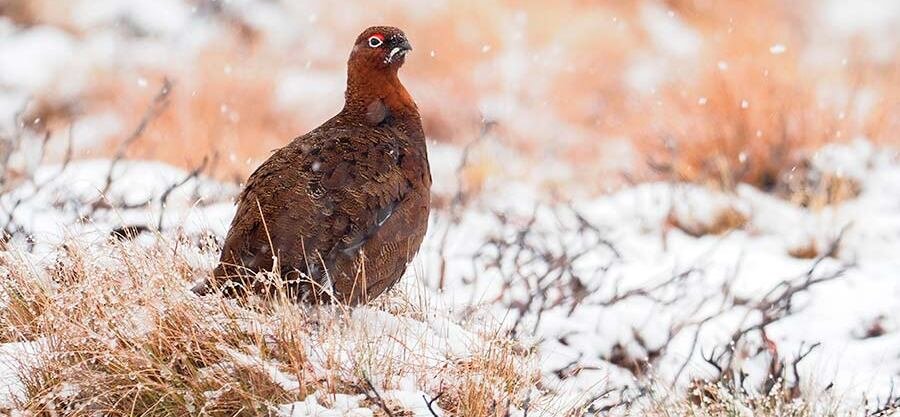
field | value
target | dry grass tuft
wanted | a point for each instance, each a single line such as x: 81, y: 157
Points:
x: 816, y: 190
x: 809, y: 250
x: 23, y: 305
x: 750, y: 115
x: 117, y: 332
x: 492, y: 373
x: 742, y: 125
x: 709, y: 399
x: 724, y: 220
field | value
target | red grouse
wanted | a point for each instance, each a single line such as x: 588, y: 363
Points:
x: 340, y: 211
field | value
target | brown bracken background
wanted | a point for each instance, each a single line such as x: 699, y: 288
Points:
x: 717, y: 92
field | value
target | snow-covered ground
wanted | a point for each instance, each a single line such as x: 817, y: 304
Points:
x: 596, y: 286
x: 714, y: 273
x: 636, y: 282
x: 613, y: 293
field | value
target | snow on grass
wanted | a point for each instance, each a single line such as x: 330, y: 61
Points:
x: 12, y: 356
x: 599, y: 338
x: 339, y: 405
x: 120, y: 315
x: 66, y: 201
x: 604, y: 293
x: 514, y: 302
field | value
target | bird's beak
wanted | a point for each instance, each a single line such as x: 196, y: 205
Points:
x: 399, y: 47
x: 403, y: 44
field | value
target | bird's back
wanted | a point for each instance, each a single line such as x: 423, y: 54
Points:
x: 344, y: 207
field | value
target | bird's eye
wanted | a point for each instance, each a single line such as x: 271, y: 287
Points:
x: 376, y: 41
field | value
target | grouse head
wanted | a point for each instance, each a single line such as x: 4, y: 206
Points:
x: 374, y: 92
x: 380, y: 48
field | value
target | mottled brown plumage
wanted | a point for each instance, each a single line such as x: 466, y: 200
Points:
x: 344, y: 207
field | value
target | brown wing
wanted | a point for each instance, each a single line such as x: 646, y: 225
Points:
x: 318, y: 199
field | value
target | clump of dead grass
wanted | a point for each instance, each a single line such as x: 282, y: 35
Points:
x: 712, y: 399
x: 117, y: 332
x: 812, y: 189
x: 807, y: 250
x: 753, y: 113
x: 716, y: 399
x: 741, y: 125
x: 724, y: 220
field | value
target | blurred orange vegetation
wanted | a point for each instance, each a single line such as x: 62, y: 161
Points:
x: 753, y: 116
x: 734, y: 111
x: 226, y: 115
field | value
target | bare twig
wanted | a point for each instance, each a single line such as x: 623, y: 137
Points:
x: 193, y: 174
x: 376, y: 397
x: 802, y: 354
x: 777, y: 303
x: 430, y: 402
x: 888, y: 407
x: 156, y: 107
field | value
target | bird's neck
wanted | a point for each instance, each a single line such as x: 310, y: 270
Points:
x: 367, y: 87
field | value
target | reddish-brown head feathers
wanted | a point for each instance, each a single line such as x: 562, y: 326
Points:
x: 380, y: 48
x: 378, y: 53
